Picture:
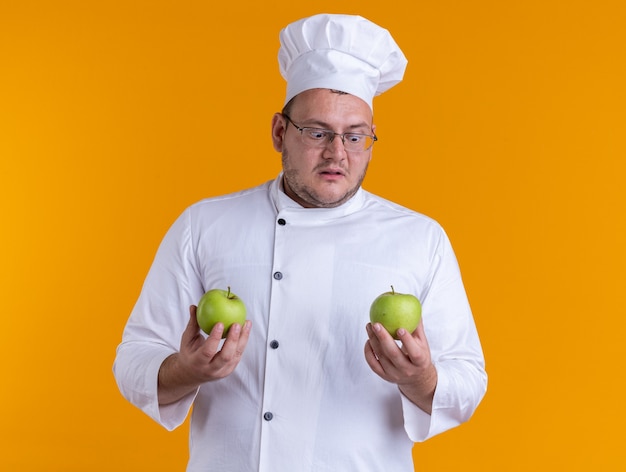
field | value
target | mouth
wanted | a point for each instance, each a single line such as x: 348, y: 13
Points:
x: 332, y: 172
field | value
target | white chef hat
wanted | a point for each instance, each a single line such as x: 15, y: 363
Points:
x: 339, y: 52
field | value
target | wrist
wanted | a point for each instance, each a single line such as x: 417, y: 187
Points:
x: 421, y: 391
x: 173, y: 380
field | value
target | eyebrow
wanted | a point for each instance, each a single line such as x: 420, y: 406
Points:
x: 323, y: 125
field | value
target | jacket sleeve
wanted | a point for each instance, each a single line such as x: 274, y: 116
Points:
x: 455, y: 350
x: 156, y: 324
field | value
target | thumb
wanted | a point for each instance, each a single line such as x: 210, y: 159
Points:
x: 420, y: 333
x: 192, y: 327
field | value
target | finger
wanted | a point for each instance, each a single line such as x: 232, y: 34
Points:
x: 245, y: 334
x: 232, y: 336
x: 387, y: 352
x: 225, y: 361
x: 376, y: 332
x: 236, y: 341
x: 383, y: 343
x: 217, y: 332
x: 372, y: 347
x: 372, y: 360
x: 192, y: 329
x: 415, y: 345
x: 212, y: 343
x: 410, y: 346
x: 420, y: 333
x: 373, y: 339
x: 193, y: 319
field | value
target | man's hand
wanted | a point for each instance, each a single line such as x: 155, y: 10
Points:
x: 199, y: 360
x: 408, y: 366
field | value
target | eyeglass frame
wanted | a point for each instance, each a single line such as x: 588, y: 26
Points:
x: 332, y: 135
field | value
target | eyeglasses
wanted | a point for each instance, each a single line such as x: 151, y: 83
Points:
x: 352, y: 142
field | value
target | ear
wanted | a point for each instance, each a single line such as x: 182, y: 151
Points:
x: 278, y: 131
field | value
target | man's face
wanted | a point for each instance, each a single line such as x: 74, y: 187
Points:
x: 328, y: 176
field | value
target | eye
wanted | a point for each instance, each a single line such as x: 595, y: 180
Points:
x: 316, y: 134
x: 355, y: 138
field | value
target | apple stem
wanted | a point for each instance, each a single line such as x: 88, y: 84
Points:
x: 393, y: 292
x: 228, y: 294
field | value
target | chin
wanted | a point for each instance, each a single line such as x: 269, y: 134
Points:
x: 331, y: 201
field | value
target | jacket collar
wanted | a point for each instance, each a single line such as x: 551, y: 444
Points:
x: 286, y: 206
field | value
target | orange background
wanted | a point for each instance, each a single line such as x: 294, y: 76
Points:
x: 509, y: 129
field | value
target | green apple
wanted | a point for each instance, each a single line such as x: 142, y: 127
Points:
x: 220, y: 306
x: 396, y: 310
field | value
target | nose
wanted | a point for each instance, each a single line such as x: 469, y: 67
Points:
x: 334, y: 146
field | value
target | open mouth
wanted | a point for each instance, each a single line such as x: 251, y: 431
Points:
x: 331, y: 172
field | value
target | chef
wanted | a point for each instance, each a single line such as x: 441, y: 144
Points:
x: 307, y: 383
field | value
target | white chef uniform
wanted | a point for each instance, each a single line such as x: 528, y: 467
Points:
x: 303, y: 397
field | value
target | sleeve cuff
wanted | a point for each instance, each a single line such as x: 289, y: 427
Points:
x: 144, y: 391
x: 420, y: 425
x: 169, y: 416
